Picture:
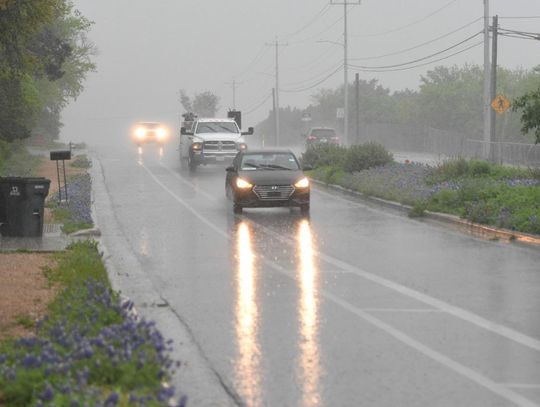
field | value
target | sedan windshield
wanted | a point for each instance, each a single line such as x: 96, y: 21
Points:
x: 217, y: 127
x: 269, y: 161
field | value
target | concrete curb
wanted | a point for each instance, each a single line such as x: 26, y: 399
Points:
x: 474, y: 228
x: 195, y: 378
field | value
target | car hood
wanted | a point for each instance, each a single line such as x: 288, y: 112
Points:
x: 272, y: 177
x: 220, y: 136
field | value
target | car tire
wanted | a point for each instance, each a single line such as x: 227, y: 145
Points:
x: 237, y: 209
x: 192, y: 165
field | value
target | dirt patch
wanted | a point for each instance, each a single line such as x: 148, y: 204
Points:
x: 24, y: 292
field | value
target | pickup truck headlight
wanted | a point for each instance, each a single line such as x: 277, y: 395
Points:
x: 196, y: 146
x: 242, y: 146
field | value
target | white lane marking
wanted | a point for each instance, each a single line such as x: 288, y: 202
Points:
x: 419, y: 310
x: 457, y: 312
x: 398, y: 335
x: 521, y: 386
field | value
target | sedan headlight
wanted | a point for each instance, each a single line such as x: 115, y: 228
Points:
x: 303, y: 183
x: 242, y: 184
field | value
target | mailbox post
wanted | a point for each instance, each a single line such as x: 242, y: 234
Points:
x: 57, y: 156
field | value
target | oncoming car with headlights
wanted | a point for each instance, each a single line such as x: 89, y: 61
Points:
x: 267, y: 178
x: 150, y: 132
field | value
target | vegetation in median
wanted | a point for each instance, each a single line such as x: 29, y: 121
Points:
x: 475, y: 190
x: 91, y: 349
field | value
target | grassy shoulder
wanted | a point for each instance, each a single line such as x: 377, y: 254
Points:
x: 16, y: 161
x: 476, y: 190
x: 90, y: 349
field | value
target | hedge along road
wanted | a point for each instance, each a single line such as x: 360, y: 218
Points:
x: 357, y: 306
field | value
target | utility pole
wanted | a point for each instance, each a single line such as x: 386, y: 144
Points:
x: 277, y: 44
x: 276, y: 120
x: 345, y: 68
x: 357, y: 107
x: 493, y: 93
x: 233, y: 84
x: 487, y: 92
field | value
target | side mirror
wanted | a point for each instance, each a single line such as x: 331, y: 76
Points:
x: 184, y: 132
x: 229, y: 169
x: 250, y: 131
x: 307, y: 168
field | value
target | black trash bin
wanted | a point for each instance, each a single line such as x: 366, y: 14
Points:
x: 22, y: 202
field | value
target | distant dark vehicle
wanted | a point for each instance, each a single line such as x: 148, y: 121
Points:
x: 150, y: 132
x: 321, y: 135
x: 267, y: 178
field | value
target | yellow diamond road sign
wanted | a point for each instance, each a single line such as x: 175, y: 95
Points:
x: 500, y: 104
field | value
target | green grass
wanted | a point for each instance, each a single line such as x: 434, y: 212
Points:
x: 25, y: 321
x: 460, y: 169
x: 81, y: 161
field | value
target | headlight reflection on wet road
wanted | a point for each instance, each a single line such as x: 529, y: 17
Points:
x: 309, y: 369
x: 247, y: 314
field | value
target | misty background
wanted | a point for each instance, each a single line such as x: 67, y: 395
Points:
x: 148, y: 51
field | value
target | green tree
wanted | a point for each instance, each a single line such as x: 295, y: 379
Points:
x: 529, y: 104
x: 44, y: 57
x: 204, y: 104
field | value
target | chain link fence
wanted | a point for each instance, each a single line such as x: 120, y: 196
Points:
x: 443, y: 143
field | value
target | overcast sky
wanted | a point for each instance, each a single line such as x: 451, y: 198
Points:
x: 148, y: 50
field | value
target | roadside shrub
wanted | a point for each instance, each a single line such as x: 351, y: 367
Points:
x: 323, y: 155
x: 81, y: 161
x: 363, y: 156
x: 462, y: 168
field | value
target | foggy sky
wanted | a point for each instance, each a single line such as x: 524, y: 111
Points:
x: 148, y: 50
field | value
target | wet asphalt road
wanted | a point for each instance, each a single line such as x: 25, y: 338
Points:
x: 355, y: 306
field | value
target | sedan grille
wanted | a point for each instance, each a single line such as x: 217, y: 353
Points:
x: 273, y: 192
x: 219, y: 146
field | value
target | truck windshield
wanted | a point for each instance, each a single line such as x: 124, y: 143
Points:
x: 217, y: 127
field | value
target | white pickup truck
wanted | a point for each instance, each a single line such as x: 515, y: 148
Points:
x: 211, y: 141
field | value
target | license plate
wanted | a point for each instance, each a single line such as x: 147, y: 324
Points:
x: 323, y: 140
x: 274, y: 194
x: 218, y: 158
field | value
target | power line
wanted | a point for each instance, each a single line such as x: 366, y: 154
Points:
x: 312, y: 62
x: 420, y: 59
x: 323, y: 11
x: 256, y: 59
x: 315, y: 84
x: 312, y: 37
x: 519, y: 17
x: 421, y: 65
x: 519, y: 34
x: 314, y: 78
x: 410, y: 24
x: 258, y: 105
x: 419, y: 45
